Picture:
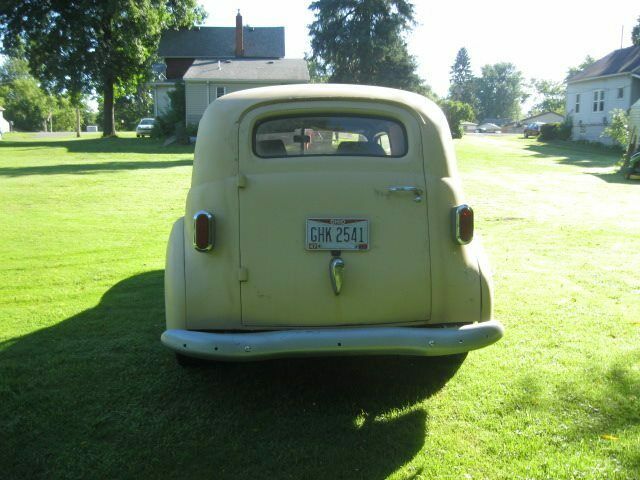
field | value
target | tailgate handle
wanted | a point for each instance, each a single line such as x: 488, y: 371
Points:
x: 405, y: 188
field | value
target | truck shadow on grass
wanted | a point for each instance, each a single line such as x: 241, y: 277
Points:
x: 98, y: 396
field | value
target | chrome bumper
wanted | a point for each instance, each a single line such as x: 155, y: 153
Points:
x: 420, y: 341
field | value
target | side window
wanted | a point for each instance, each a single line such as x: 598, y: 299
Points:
x: 620, y: 92
x: 220, y: 91
x: 329, y: 135
x: 577, y: 109
x: 598, y: 101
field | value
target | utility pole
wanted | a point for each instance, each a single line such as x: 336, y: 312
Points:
x: 621, y: 37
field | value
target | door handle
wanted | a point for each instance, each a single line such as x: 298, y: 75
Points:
x: 405, y: 188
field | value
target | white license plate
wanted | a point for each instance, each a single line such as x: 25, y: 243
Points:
x: 337, y: 234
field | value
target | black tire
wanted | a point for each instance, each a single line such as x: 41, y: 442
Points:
x: 185, y: 361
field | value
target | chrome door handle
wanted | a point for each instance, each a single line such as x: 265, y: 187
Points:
x: 415, y: 190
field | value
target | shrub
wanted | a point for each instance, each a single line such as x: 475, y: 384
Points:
x: 618, y: 129
x: 565, y: 128
x: 549, y: 131
x: 172, y: 121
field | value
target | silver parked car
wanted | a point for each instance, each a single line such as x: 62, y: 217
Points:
x: 145, y: 126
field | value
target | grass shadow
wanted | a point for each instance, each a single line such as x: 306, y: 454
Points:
x: 585, y: 156
x: 90, y: 168
x: 98, y: 396
x: 572, y: 153
x: 98, y: 145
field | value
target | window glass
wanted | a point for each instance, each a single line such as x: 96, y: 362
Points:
x: 577, y: 103
x: 336, y: 135
x: 620, y: 92
x: 220, y: 91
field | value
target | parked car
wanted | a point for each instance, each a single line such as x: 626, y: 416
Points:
x: 532, y: 129
x: 144, y: 127
x: 309, y: 232
x: 488, y: 128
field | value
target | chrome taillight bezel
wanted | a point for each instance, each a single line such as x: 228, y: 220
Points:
x: 458, y: 212
x: 208, y: 246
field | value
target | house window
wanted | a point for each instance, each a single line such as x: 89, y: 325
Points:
x: 598, y: 101
x: 577, y: 109
x: 220, y: 91
x: 621, y: 92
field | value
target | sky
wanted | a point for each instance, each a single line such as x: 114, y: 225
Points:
x: 543, y: 38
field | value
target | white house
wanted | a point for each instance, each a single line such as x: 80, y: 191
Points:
x: 214, y: 61
x: 4, y: 125
x: 609, y: 83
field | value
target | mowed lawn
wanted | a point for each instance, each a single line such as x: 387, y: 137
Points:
x: 87, y: 390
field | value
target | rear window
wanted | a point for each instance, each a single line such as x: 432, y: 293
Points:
x: 337, y: 135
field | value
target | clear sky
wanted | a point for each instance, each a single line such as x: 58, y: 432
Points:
x: 543, y: 38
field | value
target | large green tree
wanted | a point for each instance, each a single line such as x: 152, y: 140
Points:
x: 77, y: 46
x: 462, y: 82
x: 500, y: 91
x: 635, y: 33
x: 549, y: 96
x: 362, y: 42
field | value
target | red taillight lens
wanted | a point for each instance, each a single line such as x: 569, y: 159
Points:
x: 203, y: 231
x: 463, y: 224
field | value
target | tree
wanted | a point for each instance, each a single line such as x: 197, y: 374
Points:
x: 635, y: 34
x: 456, y: 112
x: 500, y: 91
x: 130, y: 106
x: 28, y: 107
x: 588, y: 60
x: 462, y: 88
x: 362, y: 42
x: 80, y: 45
x: 550, y: 96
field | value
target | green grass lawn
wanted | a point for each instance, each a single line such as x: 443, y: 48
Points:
x: 87, y: 390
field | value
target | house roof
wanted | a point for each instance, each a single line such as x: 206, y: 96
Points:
x: 263, y: 70
x: 625, y: 60
x: 220, y: 42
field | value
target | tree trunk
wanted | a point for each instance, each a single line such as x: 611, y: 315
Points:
x: 109, y: 112
x: 78, y: 122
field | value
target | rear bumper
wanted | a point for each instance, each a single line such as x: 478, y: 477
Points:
x: 418, y: 341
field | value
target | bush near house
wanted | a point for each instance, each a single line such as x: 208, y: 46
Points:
x: 556, y: 131
x: 172, y: 122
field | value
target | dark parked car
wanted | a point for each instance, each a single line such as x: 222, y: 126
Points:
x: 533, y: 129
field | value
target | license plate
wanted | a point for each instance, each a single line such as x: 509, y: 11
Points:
x: 337, y: 234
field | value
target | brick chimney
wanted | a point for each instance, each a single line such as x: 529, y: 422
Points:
x: 239, y: 36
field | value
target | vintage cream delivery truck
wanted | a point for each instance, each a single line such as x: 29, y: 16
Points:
x: 325, y: 220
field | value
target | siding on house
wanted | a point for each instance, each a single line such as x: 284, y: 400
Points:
x: 200, y: 94
x: 161, y: 102
x: 634, y: 121
x: 546, y: 117
x: 587, y: 123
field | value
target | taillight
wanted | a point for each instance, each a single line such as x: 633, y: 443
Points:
x: 203, y: 231
x: 463, y: 224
